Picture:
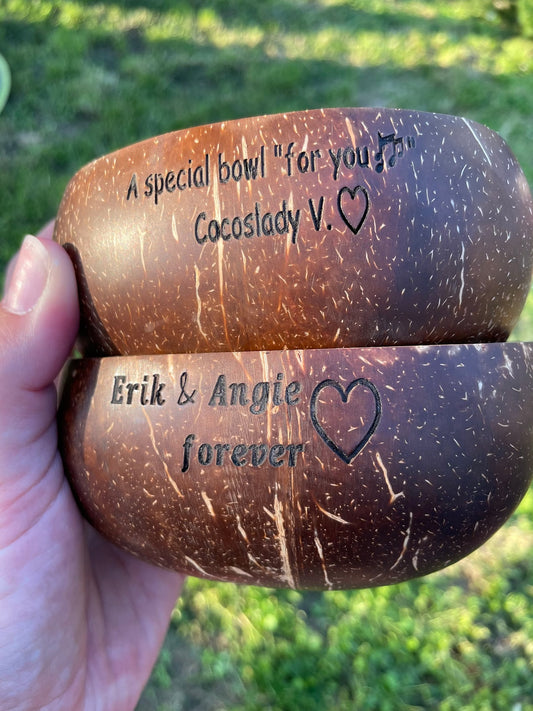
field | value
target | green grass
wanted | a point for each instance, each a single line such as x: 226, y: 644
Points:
x: 91, y: 76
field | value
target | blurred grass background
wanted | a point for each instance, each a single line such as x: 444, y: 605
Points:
x: 91, y: 76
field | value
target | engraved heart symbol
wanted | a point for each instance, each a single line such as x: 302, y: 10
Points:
x: 346, y: 456
x: 355, y: 210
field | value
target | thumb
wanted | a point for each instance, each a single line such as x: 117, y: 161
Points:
x: 38, y: 317
x: 38, y: 325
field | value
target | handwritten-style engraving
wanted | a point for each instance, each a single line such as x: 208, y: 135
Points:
x: 354, y: 210
x: 258, y: 397
x: 157, y: 184
x: 349, y: 157
x: 147, y: 392
x: 247, y: 168
x: 396, y: 145
x: 258, y: 223
x: 185, y: 397
x: 301, y: 161
x: 346, y: 456
x: 261, y: 218
x: 256, y: 455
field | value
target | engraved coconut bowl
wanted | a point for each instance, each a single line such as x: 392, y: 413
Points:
x: 324, y: 228
x: 333, y: 468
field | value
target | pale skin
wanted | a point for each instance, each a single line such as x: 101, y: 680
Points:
x: 81, y: 622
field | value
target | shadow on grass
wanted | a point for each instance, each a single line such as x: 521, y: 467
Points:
x: 303, y: 16
x: 101, y: 90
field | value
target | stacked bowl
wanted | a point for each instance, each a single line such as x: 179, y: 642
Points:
x: 295, y: 370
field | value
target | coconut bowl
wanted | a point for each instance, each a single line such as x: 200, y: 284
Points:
x: 314, y: 229
x: 322, y: 469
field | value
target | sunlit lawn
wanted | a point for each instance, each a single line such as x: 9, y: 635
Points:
x: 89, y: 77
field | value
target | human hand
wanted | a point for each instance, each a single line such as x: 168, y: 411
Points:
x: 81, y: 622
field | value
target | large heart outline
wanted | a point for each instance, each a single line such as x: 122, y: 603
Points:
x: 346, y: 457
x: 352, y: 193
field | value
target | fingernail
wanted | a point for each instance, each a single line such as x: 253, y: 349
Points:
x: 28, y: 277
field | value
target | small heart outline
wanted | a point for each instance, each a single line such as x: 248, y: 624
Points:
x: 352, y: 193
x: 344, y: 393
